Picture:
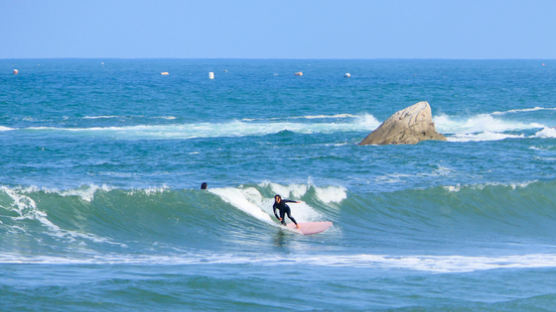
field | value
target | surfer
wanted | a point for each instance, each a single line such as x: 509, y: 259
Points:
x: 204, y: 186
x: 280, y: 204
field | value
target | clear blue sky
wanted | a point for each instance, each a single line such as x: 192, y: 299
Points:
x: 278, y: 29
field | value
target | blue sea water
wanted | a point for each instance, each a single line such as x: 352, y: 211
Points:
x: 101, y: 161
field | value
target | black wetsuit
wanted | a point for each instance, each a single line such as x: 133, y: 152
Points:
x: 284, y: 209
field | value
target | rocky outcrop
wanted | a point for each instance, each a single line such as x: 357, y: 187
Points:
x: 408, y: 126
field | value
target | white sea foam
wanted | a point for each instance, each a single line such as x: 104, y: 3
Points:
x: 166, y: 117
x: 226, y: 129
x: 251, y: 201
x: 331, y: 194
x: 325, y: 116
x: 137, y: 116
x: 335, y: 116
x: 101, y: 117
x: 482, y: 186
x: 546, y: 132
x: 479, y: 123
x: 286, y: 191
x: 153, y: 190
x: 483, y: 136
x: 482, y: 127
x: 248, y: 200
x: 2, y: 128
x: 85, y: 192
x: 520, y: 110
x: 337, y: 144
x: 427, y: 263
x: 487, y: 128
x: 324, y: 194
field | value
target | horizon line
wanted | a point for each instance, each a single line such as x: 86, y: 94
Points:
x: 281, y: 58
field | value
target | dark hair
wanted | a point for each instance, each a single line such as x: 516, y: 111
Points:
x: 277, y: 196
x: 204, y: 186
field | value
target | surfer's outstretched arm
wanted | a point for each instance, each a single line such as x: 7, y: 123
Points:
x: 290, y: 201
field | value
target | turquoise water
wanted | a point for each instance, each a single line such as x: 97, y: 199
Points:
x: 101, y: 162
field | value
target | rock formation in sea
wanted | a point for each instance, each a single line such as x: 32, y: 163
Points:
x: 407, y: 126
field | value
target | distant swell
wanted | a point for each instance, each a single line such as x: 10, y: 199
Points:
x: 480, y: 127
x: 214, y: 130
x: 336, y: 116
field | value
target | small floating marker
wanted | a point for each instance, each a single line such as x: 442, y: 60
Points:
x: 165, y: 73
x: 299, y: 74
x: 347, y: 75
x: 16, y: 71
x: 211, y: 75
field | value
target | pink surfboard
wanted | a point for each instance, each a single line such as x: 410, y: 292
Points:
x: 309, y: 228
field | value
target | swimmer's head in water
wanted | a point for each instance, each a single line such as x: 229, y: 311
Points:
x: 204, y: 186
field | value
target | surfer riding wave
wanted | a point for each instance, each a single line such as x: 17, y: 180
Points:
x: 284, y: 209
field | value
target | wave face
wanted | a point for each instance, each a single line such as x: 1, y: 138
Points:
x: 110, y: 225
x: 100, y: 220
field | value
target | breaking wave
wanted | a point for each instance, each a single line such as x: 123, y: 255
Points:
x: 482, y: 127
x: 102, y: 224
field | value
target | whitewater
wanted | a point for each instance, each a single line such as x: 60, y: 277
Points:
x: 101, y: 167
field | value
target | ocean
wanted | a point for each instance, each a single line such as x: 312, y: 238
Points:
x: 101, y: 163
